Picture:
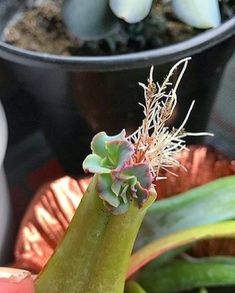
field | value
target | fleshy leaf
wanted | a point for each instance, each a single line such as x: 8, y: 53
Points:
x: 119, y: 152
x: 198, y: 13
x: 123, y: 193
x: 131, y: 11
x: 121, y: 209
x: 133, y: 287
x: 119, y: 180
x: 116, y: 186
x: 178, y: 212
x: 141, y: 172
x: 89, y: 20
x: 181, y: 275
x: 98, y: 144
x: 142, y: 194
x: 104, y: 183
x: 92, y: 164
x: 167, y: 243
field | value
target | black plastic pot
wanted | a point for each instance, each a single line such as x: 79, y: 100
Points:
x: 78, y: 96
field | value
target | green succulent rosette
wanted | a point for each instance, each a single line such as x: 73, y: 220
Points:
x: 119, y: 180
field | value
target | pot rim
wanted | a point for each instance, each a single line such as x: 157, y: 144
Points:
x: 170, y: 53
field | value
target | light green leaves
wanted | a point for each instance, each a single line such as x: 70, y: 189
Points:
x: 207, y: 204
x: 133, y: 287
x: 131, y: 11
x: 175, y: 224
x: 182, y: 275
x: 109, y: 153
x: 178, y: 239
x: 198, y: 13
x: 94, y: 20
x: 100, y: 140
x: 89, y: 19
x: 119, y: 180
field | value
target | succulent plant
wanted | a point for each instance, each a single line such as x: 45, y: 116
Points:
x: 91, y: 20
x: 95, y: 252
x: 117, y: 181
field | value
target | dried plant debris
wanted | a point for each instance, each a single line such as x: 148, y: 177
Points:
x: 41, y: 28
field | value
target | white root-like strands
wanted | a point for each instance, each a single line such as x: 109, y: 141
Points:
x: 154, y: 142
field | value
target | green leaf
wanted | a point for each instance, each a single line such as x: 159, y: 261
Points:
x: 198, y: 13
x: 141, y: 193
x: 92, y: 164
x: 164, y: 258
x: 121, y: 209
x: 206, y: 204
x: 104, y: 184
x: 131, y: 11
x: 141, y: 172
x: 89, y: 19
x: 178, y: 239
x: 181, y: 275
x: 133, y: 287
x: 202, y: 290
x: 118, y: 152
x: 116, y: 186
x: 98, y: 145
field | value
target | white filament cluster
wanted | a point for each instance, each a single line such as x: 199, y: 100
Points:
x: 156, y: 143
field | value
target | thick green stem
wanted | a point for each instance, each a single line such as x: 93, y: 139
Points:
x: 94, y: 254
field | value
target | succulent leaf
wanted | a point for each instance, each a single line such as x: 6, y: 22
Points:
x: 141, y: 172
x: 184, y: 275
x: 99, y: 140
x: 121, y: 209
x: 93, y: 164
x: 142, y: 194
x: 198, y: 13
x: 134, y: 287
x: 104, y: 184
x: 89, y: 20
x: 131, y: 11
x: 178, y: 239
x: 118, y: 152
x: 116, y: 187
x: 119, y: 180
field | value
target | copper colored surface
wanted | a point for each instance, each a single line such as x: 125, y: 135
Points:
x: 203, y: 164
x: 54, y: 205
x: 46, y: 220
x: 213, y: 247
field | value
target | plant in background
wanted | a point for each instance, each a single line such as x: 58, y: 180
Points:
x: 91, y: 20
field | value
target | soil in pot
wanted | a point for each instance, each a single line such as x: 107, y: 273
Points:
x: 40, y: 28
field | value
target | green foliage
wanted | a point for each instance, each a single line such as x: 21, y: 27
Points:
x: 131, y: 11
x: 133, y: 287
x: 119, y: 180
x: 93, y: 20
x: 179, y: 239
x: 207, y: 204
x: 175, y: 224
x: 182, y: 275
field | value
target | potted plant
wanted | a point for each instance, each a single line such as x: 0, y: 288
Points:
x: 94, y: 255
x: 71, y: 95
